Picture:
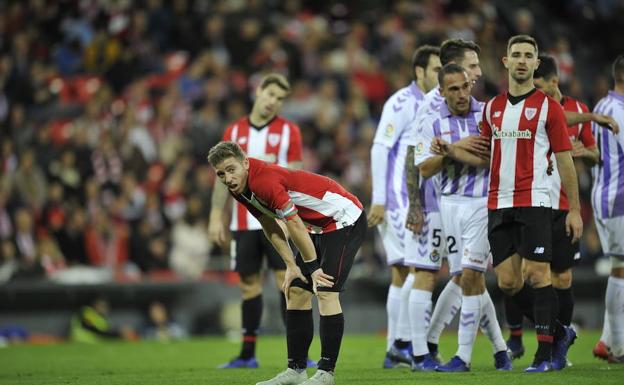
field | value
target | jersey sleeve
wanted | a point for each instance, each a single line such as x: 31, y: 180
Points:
x: 425, y: 133
x: 272, y: 191
x: 294, y: 146
x: 391, y: 123
x: 585, y: 136
x: 556, y: 128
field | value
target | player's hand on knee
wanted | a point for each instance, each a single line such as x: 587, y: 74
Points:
x: 376, y: 215
x: 320, y: 279
x: 292, y: 273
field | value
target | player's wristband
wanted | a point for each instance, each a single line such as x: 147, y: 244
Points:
x: 312, y: 266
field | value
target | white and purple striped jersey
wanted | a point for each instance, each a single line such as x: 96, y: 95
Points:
x: 388, y: 171
x: 455, y: 178
x: 608, y: 174
x: 429, y: 187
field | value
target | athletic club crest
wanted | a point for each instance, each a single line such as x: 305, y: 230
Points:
x: 242, y: 140
x: 530, y: 112
x: 274, y: 139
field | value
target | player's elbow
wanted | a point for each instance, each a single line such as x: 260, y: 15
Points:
x: 426, y: 170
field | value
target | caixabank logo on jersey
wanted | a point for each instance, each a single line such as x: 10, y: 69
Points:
x: 497, y: 133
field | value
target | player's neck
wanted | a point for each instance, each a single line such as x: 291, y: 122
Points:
x: 619, y: 88
x: 258, y: 120
x: 558, y: 95
x: 519, y: 89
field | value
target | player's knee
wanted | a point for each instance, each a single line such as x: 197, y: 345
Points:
x: 299, y: 299
x: 424, y: 280
x: 250, y: 285
x: 472, y: 282
x: 329, y: 303
x: 538, y: 274
x: 509, y: 284
x: 562, y: 280
x: 399, y: 274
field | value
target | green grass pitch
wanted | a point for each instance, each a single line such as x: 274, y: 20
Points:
x: 194, y: 361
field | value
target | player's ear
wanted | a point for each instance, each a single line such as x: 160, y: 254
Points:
x: 246, y: 163
x: 504, y: 60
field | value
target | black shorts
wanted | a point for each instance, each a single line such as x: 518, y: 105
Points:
x: 335, y: 251
x: 522, y: 230
x: 565, y: 254
x: 248, y: 250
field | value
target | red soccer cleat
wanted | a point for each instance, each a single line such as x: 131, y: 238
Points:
x: 601, y: 350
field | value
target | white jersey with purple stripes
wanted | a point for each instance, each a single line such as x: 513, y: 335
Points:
x: 608, y: 174
x: 455, y: 178
x: 388, y: 168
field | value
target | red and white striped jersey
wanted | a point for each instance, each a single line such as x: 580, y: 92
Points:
x: 521, y: 136
x: 580, y: 131
x: 278, y: 142
x: 322, y: 204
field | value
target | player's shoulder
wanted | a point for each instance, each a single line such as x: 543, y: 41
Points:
x: 280, y: 120
x: 403, y: 96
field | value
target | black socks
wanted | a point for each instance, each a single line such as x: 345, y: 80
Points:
x: 331, y: 330
x: 251, y: 314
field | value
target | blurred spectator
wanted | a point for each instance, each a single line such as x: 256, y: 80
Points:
x: 71, y: 238
x: 159, y: 325
x: 106, y: 242
x: 30, y: 182
x: 91, y: 324
x: 189, y: 241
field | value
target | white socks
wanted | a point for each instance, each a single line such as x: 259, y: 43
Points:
x: 468, y: 325
x: 393, y: 304
x: 403, y: 331
x: 420, y: 315
x: 614, y: 300
x: 606, y: 329
x: 446, y: 307
x: 489, y: 324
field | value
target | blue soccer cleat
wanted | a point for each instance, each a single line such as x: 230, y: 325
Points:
x: 516, y: 348
x: 310, y: 363
x: 502, y: 360
x: 428, y: 364
x: 240, y: 363
x: 400, y: 355
x: 434, y: 353
x: 544, y: 366
x: 390, y: 363
x: 455, y: 365
x: 560, y: 348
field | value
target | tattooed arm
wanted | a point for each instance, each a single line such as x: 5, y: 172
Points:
x: 414, y: 219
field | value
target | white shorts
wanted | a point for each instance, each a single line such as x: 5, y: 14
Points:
x: 465, y: 222
x: 611, y: 234
x: 393, y: 234
x: 426, y: 249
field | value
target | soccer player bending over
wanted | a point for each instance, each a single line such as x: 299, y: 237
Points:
x: 326, y: 223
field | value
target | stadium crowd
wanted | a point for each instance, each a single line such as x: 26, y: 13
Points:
x: 108, y: 108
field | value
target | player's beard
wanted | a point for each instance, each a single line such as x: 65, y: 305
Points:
x: 522, y: 79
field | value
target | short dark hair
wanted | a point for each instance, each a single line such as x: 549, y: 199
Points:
x: 453, y: 50
x: 277, y: 79
x: 617, y: 69
x: 522, y: 39
x: 547, y: 68
x: 223, y: 150
x: 421, y: 56
x: 450, y: 68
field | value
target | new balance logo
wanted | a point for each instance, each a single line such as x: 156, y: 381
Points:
x: 538, y: 250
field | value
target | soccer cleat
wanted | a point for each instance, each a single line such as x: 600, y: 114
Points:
x: 455, y: 365
x: 601, y: 350
x: 502, y: 360
x: 400, y: 355
x: 428, y: 364
x: 321, y: 377
x: 390, y: 363
x: 241, y: 363
x: 287, y: 377
x: 615, y: 360
x: 516, y: 348
x: 434, y: 353
x: 310, y: 363
x: 560, y: 348
x: 544, y: 366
